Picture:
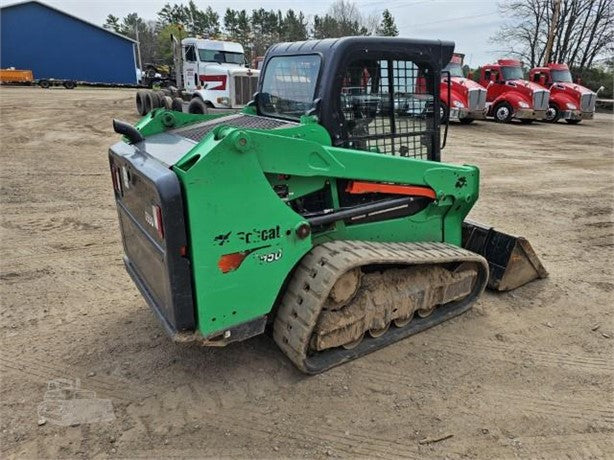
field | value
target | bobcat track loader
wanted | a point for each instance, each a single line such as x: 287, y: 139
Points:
x: 319, y: 209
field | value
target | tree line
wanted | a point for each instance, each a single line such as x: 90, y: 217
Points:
x: 583, y: 30
x: 256, y: 30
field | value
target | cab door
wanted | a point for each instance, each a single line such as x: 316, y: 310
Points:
x: 190, y: 67
x: 496, y: 86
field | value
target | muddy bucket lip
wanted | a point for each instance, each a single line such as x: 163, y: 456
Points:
x: 511, y: 259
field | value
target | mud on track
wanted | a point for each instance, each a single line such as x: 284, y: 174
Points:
x: 522, y: 374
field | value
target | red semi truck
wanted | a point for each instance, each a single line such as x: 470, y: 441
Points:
x: 568, y: 100
x: 510, y: 96
x: 467, y: 99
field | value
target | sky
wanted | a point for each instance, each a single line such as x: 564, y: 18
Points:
x: 469, y: 23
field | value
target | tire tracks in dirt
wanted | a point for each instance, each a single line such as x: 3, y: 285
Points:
x: 504, y: 352
x: 539, y: 406
x: 40, y: 372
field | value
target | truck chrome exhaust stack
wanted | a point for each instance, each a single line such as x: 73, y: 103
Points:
x: 511, y: 259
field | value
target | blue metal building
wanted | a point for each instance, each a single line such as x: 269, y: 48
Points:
x: 54, y: 44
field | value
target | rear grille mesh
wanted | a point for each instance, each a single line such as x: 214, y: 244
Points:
x: 200, y: 130
x: 245, y: 87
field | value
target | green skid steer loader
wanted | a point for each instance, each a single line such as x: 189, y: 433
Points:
x: 322, y: 208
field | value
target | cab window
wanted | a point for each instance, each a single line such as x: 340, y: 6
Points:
x: 289, y: 86
x: 190, y: 53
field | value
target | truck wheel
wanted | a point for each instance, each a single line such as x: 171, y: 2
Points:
x: 177, y: 104
x: 45, y: 84
x: 156, y: 101
x: 69, y: 84
x: 553, y: 114
x: 573, y: 122
x: 443, y: 112
x: 161, y: 101
x: 503, y: 112
x: 150, y: 101
x: 141, y: 102
x: 466, y: 121
x: 197, y: 105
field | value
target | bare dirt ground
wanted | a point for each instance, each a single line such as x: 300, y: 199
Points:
x: 523, y: 374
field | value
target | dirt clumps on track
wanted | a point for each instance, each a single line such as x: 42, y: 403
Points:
x: 523, y: 374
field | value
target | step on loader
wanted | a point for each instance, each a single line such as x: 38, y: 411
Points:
x: 322, y: 209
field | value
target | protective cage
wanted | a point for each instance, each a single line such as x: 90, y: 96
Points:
x: 387, y: 109
x: 378, y: 94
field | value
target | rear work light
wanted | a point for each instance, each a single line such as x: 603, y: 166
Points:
x: 157, y: 215
x: 115, y: 176
x: 216, y: 82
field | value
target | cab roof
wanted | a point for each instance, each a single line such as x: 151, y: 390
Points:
x: 557, y: 66
x: 218, y: 45
x: 331, y: 48
x: 509, y: 62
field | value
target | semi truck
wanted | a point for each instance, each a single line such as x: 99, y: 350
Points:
x: 462, y: 99
x: 569, y: 101
x: 509, y: 96
x: 213, y: 74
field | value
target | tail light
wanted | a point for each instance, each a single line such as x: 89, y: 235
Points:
x: 219, y: 81
x: 115, y: 176
x: 157, y: 215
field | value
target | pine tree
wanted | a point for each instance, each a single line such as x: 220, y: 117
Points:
x: 387, y: 27
x: 112, y: 23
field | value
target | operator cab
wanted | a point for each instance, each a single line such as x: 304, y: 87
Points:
x: 377, y: 94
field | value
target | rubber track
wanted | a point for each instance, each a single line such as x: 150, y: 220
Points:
x: 316, y: 274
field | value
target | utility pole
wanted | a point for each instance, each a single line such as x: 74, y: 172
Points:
x: 553, y: 24
x: 138, y: 45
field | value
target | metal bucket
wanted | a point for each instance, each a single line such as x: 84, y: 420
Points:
x: 511, y: 259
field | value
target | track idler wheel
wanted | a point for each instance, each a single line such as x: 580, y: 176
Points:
x: 344, y: 289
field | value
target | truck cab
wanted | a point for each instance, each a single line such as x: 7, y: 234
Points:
x: 568, y: 100
x: 510, y: 96
x: 466, y: 98
x: 215, y: 71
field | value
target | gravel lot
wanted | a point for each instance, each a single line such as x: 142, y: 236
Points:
x: 523, y: 374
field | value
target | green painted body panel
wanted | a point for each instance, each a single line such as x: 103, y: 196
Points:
x: 228, y: 184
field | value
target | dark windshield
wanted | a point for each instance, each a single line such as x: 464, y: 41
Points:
x: 512, y: 73
x: 455, y: 69
x: 563, y: 76
x: 289, y: 84
x: 222, y: 57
